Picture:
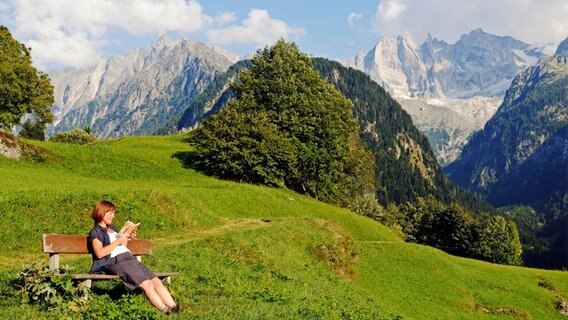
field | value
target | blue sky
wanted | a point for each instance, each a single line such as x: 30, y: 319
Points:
x: 75, y: 33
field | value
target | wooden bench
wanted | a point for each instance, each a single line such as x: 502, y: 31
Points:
x: 56, y: 244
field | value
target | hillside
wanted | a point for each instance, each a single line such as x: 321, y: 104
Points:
x: 246, y: 251
x: 521, y: 155
x: 406, y: 169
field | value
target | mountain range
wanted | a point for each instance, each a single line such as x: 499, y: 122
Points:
x: 521, y: 155
x: 135, y: 93
x: 450, y: 90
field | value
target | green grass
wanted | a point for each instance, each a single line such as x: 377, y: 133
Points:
x: 248, y: 252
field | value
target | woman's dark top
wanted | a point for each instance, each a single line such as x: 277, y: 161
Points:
x: 100, y: 233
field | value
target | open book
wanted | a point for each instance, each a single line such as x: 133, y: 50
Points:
x: 128, y: 227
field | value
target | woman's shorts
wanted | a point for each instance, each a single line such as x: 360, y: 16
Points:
x: 131, y: 271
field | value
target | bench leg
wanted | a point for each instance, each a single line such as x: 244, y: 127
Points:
x: 87, y: 283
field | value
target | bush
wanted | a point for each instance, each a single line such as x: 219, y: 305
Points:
x: 49, y: 288
x: 54, y: 292
x: 75, y: 136
x: 243, y: 147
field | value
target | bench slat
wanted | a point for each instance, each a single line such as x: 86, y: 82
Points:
x: 56, y: 243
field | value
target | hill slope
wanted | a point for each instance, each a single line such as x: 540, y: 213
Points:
x: 247, y: 251
x: 406, y: 166
x: 521, y: 156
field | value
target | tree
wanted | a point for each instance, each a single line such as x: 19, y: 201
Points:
x: 458, y: 231
x: 23, y: 89
x: 32, y: 130
x: 497, y: 240
x: 301, y: 114
x: 243, y: 147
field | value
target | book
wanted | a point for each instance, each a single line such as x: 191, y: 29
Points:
x: 128, y: 227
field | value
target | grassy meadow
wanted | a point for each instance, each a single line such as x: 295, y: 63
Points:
x: 245, y: 251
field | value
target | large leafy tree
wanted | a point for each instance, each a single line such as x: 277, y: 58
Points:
x: 23, y: 89
x: 304, y: 131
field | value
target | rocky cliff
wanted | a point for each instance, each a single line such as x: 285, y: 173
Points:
x: 136, y: 93
x: 462, y: 82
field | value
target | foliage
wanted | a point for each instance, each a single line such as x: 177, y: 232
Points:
x: 307, y: 140
x: 23, y: 89
x: 49, y: 288
x: 497, y: 240
x: 53, y: 290
x: 244, y: 147
x: 75, y: 136
x: 34, y: 130
x: 458, y: 231
x: 27, y: 151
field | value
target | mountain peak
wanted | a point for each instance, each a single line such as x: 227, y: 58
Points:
x: 406, y: 37
x: 163, y: 41
x: 562, y: 49
x: 476, y: 34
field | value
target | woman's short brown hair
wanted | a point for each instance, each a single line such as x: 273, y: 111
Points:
x: 100, y: 209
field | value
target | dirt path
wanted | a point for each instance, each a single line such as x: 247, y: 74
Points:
x: 228, y: 225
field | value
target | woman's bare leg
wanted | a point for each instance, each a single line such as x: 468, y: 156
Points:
x: 163, y: 292
x: 148, y: 287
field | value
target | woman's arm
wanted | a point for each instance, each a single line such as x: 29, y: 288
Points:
x: 101, y: 251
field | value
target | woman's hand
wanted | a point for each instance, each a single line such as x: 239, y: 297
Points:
x: 132, y: 235
x: 122, y: 239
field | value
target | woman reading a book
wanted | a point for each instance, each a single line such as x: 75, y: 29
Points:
x: 108, y: 247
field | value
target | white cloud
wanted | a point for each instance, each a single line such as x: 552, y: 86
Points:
x: 72, y: 33
x: 4, y: 7
x: 391, y: 9
x: 532, y: 21
x: 225, y: 18
x: 258, y: 28
x: 352, y: 17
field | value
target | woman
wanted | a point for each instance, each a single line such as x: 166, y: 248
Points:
x: 110, y: 254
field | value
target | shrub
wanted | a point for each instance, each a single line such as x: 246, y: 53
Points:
x: 49, y: 288
x: 458, y: 231
x: 54, y: 292
x: 75, y: 136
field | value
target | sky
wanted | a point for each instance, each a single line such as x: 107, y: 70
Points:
x: 76, y: 33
